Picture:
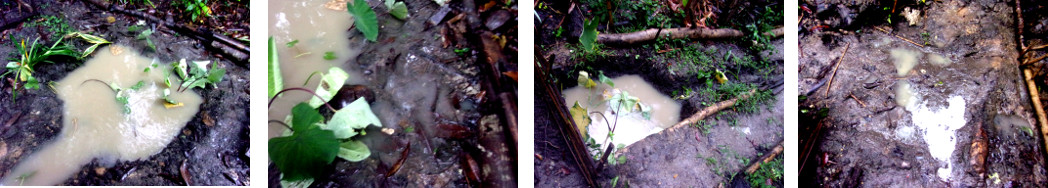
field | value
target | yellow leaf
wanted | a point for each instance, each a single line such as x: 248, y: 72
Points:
x: 720, y: 77
x: 169, y: 105
x: 580, y: 116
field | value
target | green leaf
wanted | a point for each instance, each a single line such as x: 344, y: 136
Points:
x: 329, y: 56
x: 397, y: 9
x: 304, y: 116
x: 215, y: 76
x: 138, y: 85
x: 353, y: 151
x: 580, y: 116
x: 180, y: 68
x: 167, y: 98
x: 589, y: 35
x: 31, y: 83
x: 304, y: 154
x: 356, y: 115
x: 623, y: 101
x: 331, y: 83
x: 291, y: 44
x: 366, y: 22
x: 276, y: 82
x: 199, y: 68
x: 144, y: 35
x: 605, y: 79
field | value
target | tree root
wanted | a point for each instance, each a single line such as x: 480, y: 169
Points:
x: 676, y: 33
x: 710, y: 110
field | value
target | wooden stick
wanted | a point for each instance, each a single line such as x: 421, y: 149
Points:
x: 676, y: 33
x: 834, y: 75
x: 1037, y: 106
x: 765, y: 159
x: 857, y: 100
x: 710, y: 110
x: 900, y: 37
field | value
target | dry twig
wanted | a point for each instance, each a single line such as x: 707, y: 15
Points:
x: 834, y: 75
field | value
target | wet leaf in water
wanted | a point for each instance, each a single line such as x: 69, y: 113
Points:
x: 353, y: 151
x: 585, y: 81
x: 366, y: 22
x: 329, y: 56
x: 581, y: 117
x: 605, y: 79
x: 356, y: 115
x: 330, y: 83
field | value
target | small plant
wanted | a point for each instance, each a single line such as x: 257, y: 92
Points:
x: 32, y: 54
x: 54, y: 24
x: 767, y: 172
x: 366, y: 21
x: 197, y: 9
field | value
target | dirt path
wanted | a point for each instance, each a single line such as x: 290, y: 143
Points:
x: 874, y: 120
x: 212, y: 147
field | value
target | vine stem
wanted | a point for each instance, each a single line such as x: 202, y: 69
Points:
x: 301, y: 89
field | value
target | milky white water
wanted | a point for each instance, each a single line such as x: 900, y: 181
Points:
x: 936, y: 126
x: 94, y: 124
x: 631, y: 127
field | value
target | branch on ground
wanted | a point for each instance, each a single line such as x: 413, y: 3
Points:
x: 677, y: 33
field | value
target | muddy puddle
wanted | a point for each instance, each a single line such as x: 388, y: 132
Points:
x: 318, y: 32
x: 915, y: 104
x: 631, y: 127
x: 95, y: 125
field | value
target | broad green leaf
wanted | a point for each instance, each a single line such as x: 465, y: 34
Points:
x: 356, y: 115
x: 145, y: 34
x: 366, y: 21
x: 397, y: 9
x: 215, y: 76
x: 353, y: 151
x: 333, y: 81
x: 580, y: 116
x: 589, y: 35
x: 585, y: 81
x: 31, y: 83
x: 304, y: 117
x: 304, y: 154
x: 605, y: 79
x: 276, y: 82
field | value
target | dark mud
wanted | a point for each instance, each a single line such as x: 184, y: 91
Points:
x: 860, y: 136
x: 213, y: 147
x: 445, y: 110
x: 667, y: 159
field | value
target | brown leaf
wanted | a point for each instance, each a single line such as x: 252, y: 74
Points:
x: 511, y: 74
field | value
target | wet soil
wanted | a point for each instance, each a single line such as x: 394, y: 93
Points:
x: 859, y: 135
x: 213, y: 147
x: 444, y: 107
x: 667, y: 159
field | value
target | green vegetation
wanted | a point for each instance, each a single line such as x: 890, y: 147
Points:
x: 366, y: 21
x: 54, y: 24
x: 770, y: 171
x: 197, y: 9
x: 313, y: 143
x: 397, y: 9
x: 139, y: 2
x: 767, y: 20
x: 34, y: 53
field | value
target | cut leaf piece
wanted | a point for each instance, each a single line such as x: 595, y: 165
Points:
x: 330, y: 83
x: 353, y: 151
x: 366, y: 22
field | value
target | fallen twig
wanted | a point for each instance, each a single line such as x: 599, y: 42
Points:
x: 900, y: 37
x: 710, y: 110
x: 1037, y: 106
x: 765, y: 159
x: 676, y: 33
x: 834, y: 75
x: 857, y: 100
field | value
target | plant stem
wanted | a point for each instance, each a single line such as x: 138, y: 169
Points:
x: 301, y: 89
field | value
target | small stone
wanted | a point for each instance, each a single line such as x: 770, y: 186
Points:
x: 100, y: 171
x: 388, y: 131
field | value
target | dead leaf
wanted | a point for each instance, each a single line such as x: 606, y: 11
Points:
x: 511, y: 74
x: 339, y: 5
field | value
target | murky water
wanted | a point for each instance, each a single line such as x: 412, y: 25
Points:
x: 318, y: 30
x: 630, y: 127
x: 936, y: 125
x: 95, y: 126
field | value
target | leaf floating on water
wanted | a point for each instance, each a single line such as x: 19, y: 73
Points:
x: 329, y: 56
x: 585, y: 81
x: 366, y: 21
x: 356, y: 115
x: 605, y: 79
x: 580, y: 116
x: 330, y: 83
x: 168, y: 105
